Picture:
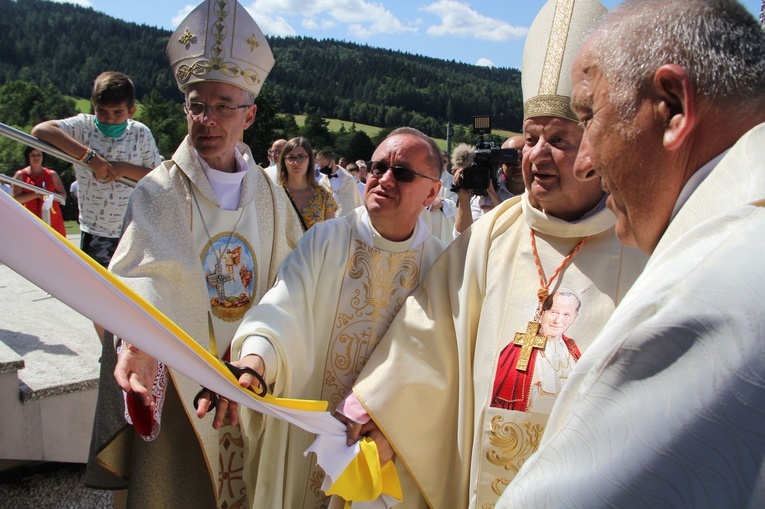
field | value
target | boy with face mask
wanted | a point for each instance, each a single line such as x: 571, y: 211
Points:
x: 110, y: 145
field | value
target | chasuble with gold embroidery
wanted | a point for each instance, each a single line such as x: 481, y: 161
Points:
x: 334, y: 298
x: 430, y: 383
x: 190, y: 259
x: 664, y: 409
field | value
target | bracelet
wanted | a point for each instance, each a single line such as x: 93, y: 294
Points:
x: 88, y: 156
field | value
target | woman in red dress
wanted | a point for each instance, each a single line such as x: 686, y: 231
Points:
x: 44, y: 178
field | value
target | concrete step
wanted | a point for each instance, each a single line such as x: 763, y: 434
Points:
x: 48, y: 375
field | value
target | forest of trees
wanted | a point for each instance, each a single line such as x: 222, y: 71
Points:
x: 52, y: 51
x: 67, y: 46
x: 389, y: 88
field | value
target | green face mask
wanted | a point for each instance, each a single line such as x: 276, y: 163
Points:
x: 111, y: 130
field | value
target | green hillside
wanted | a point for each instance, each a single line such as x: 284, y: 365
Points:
x: 51, y: 52
x: 335, y: 125
x: 67, y: 45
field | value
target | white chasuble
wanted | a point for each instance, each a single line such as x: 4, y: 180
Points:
x: 195, y: 261
x: 665, y: 408
x: 441, y: 220
x: 334, y: 298
x: 229, y: 262
x: 454, y: 346
x: 374, y: 288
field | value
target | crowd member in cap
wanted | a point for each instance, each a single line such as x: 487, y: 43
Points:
x: 335, y: 296
x: 474, y: 324
x: 665, y: 408
x: 204, y: 235
x: 339, y: 182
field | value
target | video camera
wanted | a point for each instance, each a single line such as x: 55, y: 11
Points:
x: 487, y: 161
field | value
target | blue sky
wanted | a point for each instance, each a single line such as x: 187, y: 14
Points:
x: 481, y: 32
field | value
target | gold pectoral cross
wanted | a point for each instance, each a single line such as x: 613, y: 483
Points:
x: 531, y: 339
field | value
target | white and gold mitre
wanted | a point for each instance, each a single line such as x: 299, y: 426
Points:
x: 219, y: 41
x: 555, y: 36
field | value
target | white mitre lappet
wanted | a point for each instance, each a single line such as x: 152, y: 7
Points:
x: 219, y: 41
x: 554, y: 38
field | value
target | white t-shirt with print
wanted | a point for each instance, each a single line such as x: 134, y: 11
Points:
x: 103, y: 206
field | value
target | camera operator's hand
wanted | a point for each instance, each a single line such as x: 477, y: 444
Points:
x: 492, y: 192
x: 462, y: 193
x: 464, y: 217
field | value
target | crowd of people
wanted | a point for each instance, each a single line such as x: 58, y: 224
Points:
x: 583, y: 332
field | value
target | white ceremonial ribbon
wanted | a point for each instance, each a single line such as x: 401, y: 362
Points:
x: 41, y: 190
x: 71, y: 276
x: 45, y: 210
x: 47, y: 203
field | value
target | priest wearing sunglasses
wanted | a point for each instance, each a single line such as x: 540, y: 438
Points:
x: 333, y: 300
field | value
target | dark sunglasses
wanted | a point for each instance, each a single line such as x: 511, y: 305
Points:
x: 400, y: 173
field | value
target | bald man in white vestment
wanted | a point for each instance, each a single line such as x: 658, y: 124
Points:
x: 665, y: 407
x: 333, y: 300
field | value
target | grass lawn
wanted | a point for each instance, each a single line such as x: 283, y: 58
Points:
x: 72, y: 227
x: 83, y: 105
x: 334, y: 126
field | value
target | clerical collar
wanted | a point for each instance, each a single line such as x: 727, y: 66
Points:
x: 241, y: 164
x: 596, y: 221
x: 371, y: 236
x: 226, y: 186
x: 694, y: 182
x: 597, y: 208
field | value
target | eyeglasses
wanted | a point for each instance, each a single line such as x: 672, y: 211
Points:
x: 296, y: 159
x: 221, y: 110
x: 400, y: 173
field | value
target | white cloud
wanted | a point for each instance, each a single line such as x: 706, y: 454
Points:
x: 272, y: 24
x: 362, y: 18
x: 358, y: 31
x: 269, y: 24
x: 485, y: 62
x: 312, y: 24
x: 458, y: 18
x: 82, y: 3
x: 176, y: 20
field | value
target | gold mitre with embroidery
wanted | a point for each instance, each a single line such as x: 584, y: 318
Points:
x: 555, y: 36
x: 219, y: 41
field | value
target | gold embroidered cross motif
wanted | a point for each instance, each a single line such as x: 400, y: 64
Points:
x: 252, y: 41
x: 218, y: 57
x: 531, y: 339
x: 186, y: 38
